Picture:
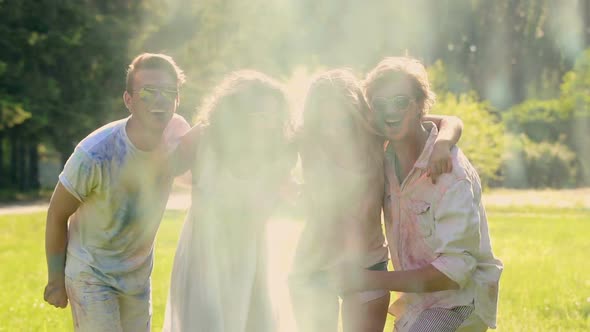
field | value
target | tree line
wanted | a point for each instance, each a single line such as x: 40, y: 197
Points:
x: 514, y: 70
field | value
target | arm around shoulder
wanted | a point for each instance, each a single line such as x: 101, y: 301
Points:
x: 183, y: 157
x: 449, y: 127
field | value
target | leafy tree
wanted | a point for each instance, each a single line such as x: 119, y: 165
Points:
x: 209, y: 39
x: 482, y: 139
x: 64, y: 63
x: 544, y: 164
x: 11, y: 113
x: 575, y: 92
x: 540, y: 120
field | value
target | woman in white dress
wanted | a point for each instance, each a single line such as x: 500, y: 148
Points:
x: 219, y: 278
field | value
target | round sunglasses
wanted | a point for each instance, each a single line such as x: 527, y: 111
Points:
x: 398, y: 103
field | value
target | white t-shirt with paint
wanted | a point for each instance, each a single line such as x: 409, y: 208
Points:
x: 123, y: 192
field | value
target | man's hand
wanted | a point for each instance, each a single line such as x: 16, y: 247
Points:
x: 55, y: 293
x: 440, y: 160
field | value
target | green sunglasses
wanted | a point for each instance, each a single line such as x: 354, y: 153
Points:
x: 149, y: 95
x: 397, y: 103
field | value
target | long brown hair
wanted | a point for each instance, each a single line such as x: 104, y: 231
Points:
x: 344, y: 86
x: 251, y: 84
x: 250, y: 87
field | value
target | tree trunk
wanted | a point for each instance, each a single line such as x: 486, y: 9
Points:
x: 516, y: 61
x: 13, y: 173
x: 3, y: 175
x: 21, y: 164
x: 585, y: 9
x: 33, y: 175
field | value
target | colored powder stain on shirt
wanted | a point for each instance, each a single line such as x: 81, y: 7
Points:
x: 128, y: 211
x: 430, y: 223
x: 107, y: 144
x: 112, y: 233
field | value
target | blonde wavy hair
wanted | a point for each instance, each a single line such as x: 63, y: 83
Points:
x: 341, y: 85
x: 391, y: 69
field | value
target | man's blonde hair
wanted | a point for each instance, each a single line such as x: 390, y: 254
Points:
x: 153, y: 61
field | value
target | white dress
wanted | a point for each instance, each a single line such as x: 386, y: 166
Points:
x: 219, y: 278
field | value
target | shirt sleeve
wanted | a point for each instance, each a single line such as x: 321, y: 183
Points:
x: 80, y: 175
x: 457, y: 231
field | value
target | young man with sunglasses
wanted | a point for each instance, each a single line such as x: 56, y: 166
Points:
x: 437, y: 232
x: 113, y: 190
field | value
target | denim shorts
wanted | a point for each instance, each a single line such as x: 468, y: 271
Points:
x: 378, y: 267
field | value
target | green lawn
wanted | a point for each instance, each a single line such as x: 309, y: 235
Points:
x: 545, y: 285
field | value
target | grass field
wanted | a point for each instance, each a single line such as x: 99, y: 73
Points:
x: 545, y: 285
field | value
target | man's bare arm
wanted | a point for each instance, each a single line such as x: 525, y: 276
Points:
x: 183, y: 157
x: 61, y: 207
x: 426, y: 279
x: 450, y: 129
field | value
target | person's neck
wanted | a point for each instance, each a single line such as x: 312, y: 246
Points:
x: 144, y: 140
x: 409, y: 148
